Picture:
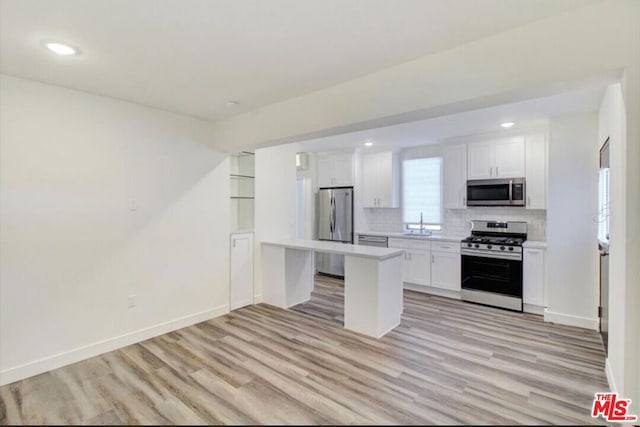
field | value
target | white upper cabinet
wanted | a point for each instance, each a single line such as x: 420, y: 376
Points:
x: 480, y: 161
x: 370, y: 179
x: 536, y: 171
x: 502, y: 158
x: 325, y: 167
x: 380, y: 180
x: 335, y: 170
x: 509, y: 158
x: 454, y: 176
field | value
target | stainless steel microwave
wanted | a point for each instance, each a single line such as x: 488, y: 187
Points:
x: 496, y: 192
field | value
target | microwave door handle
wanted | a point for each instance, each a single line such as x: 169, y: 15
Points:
x: 511, y: 191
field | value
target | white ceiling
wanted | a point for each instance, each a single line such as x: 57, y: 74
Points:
x: 192, y: 56
x: 534, y: 113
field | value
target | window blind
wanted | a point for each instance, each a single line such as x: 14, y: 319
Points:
x: 422, y: 190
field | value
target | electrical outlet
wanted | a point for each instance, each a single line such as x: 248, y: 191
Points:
x: 133, y: 205
x: 132, y: 300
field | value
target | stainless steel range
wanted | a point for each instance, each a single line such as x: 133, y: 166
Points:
x: 492, y: 263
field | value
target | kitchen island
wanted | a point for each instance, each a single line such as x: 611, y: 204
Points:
x: 372, y: 285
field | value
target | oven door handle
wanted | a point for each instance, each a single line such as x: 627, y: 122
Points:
x: 495, y: 255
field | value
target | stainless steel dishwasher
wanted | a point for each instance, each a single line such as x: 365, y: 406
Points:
x: 369, y: 240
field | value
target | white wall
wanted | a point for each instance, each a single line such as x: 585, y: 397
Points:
x: 310, y: 188
x: 630, y: 152
x: 275, y: 200
x: 572, y: 253
x: 533, y: 60
x: 610, y: 121
x: 72, y: 250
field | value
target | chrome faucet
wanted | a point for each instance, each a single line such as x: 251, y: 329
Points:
x: 421, y: 224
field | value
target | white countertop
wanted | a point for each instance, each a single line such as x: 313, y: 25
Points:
x: 537, y: 244
x: 338, y: 248
x: 401, y: 235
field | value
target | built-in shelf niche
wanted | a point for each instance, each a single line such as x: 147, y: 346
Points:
x: 242, y: 186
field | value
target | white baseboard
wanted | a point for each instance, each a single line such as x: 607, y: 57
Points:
x: 59, y: 360
x: 533, y: 309
x: 302, y: 301
x: 391, y: 328
x: 432, y: 291
x: 257, y: 298
x: 610, y: 379
x: 570, y: 320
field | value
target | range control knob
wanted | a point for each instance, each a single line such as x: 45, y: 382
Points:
x: 489, y: 246
x: 477, y: 245
x: 469, y: 245
x: 510, y: 248
x: 502, y: 248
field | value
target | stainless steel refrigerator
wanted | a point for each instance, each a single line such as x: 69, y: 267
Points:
x: 335, y: 223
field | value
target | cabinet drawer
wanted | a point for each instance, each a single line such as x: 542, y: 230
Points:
x: 446, y: 247
x: 421, y: 245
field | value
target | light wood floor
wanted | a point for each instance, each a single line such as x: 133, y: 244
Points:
x: 449, y: 362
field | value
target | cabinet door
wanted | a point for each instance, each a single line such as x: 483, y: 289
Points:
x: 385, y: 176
x: 419, y: 267
x: 388, y: 184
x: 406, y: 260
x: 455, y: 177
x: 406, y: 267
x: 325, y: 171
x: 343, y: 170
x: 241, y: 278
x: 533, y: 276
x: 480, y: 161
x: 536, y: 171
x: 509, y: 158
x: 445, y: 270
x: 370, y: 178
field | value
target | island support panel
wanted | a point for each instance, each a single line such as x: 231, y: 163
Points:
x: 372, y: 295
x: 292, y: 268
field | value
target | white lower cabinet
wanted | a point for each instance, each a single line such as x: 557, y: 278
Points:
x: 417, y: 268
x: 445, y: 270
x: 241, y: 274
x: 430, y: 264
x: 533, y: 276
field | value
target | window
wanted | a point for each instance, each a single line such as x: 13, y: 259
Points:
x: 422, y: 192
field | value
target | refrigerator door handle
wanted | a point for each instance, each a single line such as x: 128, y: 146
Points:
x: 332, y: 215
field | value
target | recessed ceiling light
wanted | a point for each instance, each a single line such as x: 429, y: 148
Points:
x: 507, y: 124
x: 231, y: 104
x: 368, y: 144
x: 61, y: 48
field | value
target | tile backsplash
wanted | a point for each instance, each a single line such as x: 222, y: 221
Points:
x: 383, y: 219
x: 458, y: 221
